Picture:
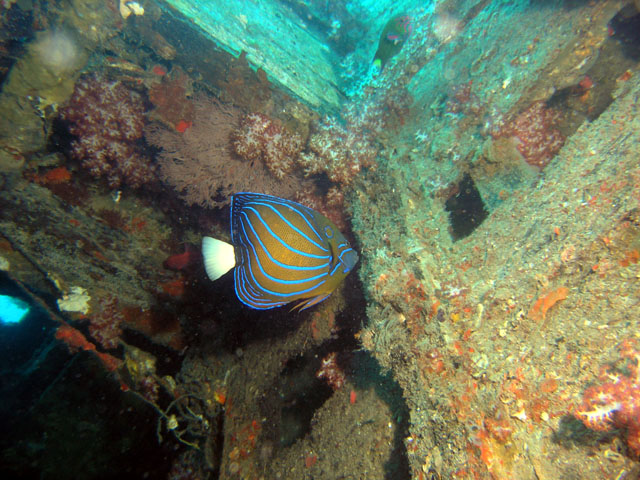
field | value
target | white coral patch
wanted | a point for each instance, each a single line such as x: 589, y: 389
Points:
x: 77, y: 300
x: 128, y: 7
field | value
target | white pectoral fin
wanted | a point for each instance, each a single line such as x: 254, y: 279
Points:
x: 219, y: 257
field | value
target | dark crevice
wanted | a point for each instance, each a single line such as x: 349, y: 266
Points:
x: 466, y: 208
x: 625, y: 28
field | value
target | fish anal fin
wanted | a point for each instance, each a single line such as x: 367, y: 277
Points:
x: 309, y: 302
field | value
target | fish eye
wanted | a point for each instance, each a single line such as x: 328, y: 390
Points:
x: 328, y: 232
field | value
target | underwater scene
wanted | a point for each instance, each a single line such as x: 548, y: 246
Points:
x: 320, y: 240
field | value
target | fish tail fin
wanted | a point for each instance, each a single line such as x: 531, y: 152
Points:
x: 219, y: 257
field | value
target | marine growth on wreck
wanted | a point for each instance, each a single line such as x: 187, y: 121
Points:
x: 299, y: 239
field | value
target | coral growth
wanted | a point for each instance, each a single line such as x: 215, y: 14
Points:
x: 535, y: 133
x: 332, y: 149
x: 200, y: 165
x: 55, y: 176
x: 107, y: 119
x: 76, y: 341
x: 250, y: 89
x: 545, y: 302
x: 331, y: 372
x: 141, y: 368
x: 615, y: 402
x: 262, y: 137
x: 169, y: 97
x: 105, y: 323
x: 462, y: 100
x: 331, y: 205
x: 339, y: 152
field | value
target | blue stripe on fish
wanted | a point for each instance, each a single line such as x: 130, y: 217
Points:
x: 252, y: 298
x: 264, y: 248
x: 285, y: 252
x: 259, y: 287
x: 304, y: 217
x: 262, y: 270
x: 292, y: 227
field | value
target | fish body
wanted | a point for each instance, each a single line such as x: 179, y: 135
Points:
x: 393, y: 36
x: 282, y: 252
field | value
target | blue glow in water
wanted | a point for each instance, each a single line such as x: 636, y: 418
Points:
x: 12, y: 309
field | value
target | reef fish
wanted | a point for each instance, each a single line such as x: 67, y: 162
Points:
x: 393, y: 36
x: 282, y: 251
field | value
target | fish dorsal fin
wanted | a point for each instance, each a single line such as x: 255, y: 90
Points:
x: 219, y: 257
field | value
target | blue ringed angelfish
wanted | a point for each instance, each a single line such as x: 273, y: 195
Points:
x: 282, y: 251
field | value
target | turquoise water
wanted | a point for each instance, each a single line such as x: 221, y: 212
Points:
x: 13, y: 309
